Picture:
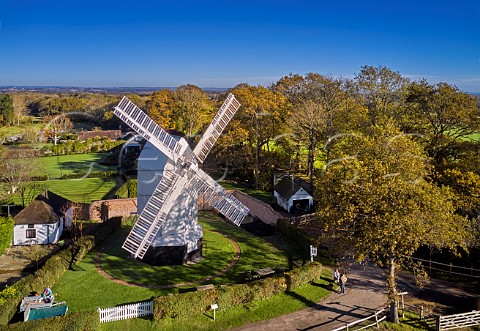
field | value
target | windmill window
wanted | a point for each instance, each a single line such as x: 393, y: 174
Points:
x: 31, y: 226
x: 31, y: 233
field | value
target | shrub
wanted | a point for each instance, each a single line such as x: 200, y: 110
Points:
x: 296, y: 235
x: 6, y: 233
x: 102, y: 174
x: 194, y: 303
x: 77, y: 321
x: 53, y: 269
x: 303, y: 276
x: 185, y: 304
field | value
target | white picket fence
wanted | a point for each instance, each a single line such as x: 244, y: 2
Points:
x: 124, y: 312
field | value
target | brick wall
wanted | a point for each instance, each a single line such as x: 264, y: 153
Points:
x: 104, y: 209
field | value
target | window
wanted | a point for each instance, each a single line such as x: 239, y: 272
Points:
x: 31, y: 233
x: 31, y: 226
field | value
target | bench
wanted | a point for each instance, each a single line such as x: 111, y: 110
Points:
x: 205, y: 287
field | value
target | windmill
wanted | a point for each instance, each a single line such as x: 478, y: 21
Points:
x: 183, y: 178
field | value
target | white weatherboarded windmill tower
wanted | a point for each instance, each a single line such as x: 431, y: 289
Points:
x: 166, y: 223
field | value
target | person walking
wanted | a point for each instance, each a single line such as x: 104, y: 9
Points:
x: 343, y: 280
x: 336, y: 276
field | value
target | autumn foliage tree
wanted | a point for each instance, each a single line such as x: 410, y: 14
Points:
x: 377, y: 203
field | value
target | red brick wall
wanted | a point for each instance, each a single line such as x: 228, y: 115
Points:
x: 117, y: 207
x: 109, y: 208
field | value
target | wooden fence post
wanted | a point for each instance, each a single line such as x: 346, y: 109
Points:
x: 438, y: 323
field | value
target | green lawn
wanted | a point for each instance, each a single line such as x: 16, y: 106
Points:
x: 262, y: 195
x: 275, y: 306
x: 86, y: 289
x: 218, y: 251
x: 82, y: 190
x: 56, y: 166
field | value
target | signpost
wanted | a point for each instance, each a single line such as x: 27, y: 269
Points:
x: 313, y: 252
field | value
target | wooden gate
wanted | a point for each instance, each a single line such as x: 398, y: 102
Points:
x: 456, y: 321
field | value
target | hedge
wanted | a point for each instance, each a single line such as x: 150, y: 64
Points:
x: 53, y: 269
x: 195, y: 303
x: 296, y: 235
x: 128, y: 189
x: 99, y: 174
x: 77, y: 321
x: 6, y: 233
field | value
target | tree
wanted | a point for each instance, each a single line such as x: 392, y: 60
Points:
x: 377, y: 204
x: 6, y: 233
x: 262, y: 113
x: 382, y: 90
x: 310, y: 124
x: 17, y: 168
x: 57, y: 125
x: 193, y: 109
x: 443, y: 114
x: 160, y: 107
x: 7, y: 113
x: 318, y: 110
x: 19, y: 103
x: 28, y: 191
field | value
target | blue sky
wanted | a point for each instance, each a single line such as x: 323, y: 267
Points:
x: 223, y: 43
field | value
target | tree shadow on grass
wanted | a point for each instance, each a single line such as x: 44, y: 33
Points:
x: 298, y: 297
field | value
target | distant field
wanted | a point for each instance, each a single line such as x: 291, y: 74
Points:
x: 14, y: 130
x: 56, y: 166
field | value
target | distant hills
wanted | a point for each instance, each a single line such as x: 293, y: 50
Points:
x: 110, y: 90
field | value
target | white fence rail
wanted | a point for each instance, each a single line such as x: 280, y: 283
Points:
x: 126, y: 311
x: 457, y: 321
x: 373, y: 317
x: 449, y: 269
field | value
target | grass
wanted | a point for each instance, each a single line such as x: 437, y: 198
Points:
x: 19, y: 129
x: 474, y: 136
x: 218, y: 250
x: 261, y: 195
x: 56, y: 166
x: 82, y: 190
x: 86, y: 289
x: 218, y: 254
x: 226, y: 319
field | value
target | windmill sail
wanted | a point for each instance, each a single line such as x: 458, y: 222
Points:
x: 147, y: 128
x: 186, y: 176
x: 154, y: 214
x: 214, y: 130
x: 217, y: 197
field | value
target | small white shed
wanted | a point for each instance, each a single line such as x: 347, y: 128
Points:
x: 292, y: 195
x: 43, y: 220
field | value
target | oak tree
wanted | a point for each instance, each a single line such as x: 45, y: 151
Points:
x: 377, y: 203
